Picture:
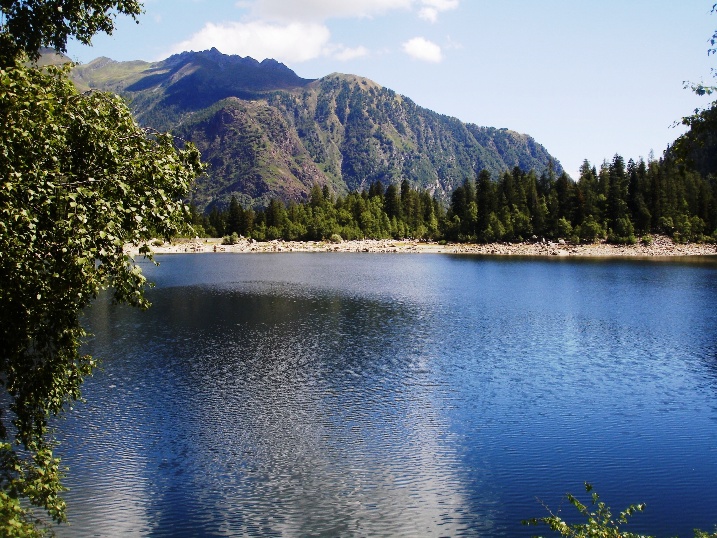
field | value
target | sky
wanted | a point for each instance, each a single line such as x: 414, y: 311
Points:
x: 587, y: 79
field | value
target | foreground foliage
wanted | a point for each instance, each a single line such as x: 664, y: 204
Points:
x: 28, y: 25
x: 599, y: 520
x: 79, y: 180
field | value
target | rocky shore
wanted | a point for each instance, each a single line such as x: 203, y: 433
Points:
x: 659, y: 246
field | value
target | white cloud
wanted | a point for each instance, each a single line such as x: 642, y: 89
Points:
x: 321, y: 10
x: 441, y: 5
x: 431, y: 8
x: 292, y: 42
x: 429, y: 14
x: 344, y: 54
x: 295, y: 31
x: 452, y: 44
x: 422, y: 49
x: 325, y: 9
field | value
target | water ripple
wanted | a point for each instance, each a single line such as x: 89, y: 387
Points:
x: 422, y: 396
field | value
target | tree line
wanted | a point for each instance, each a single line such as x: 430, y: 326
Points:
x: 619, y: 202
x: 377, y: 213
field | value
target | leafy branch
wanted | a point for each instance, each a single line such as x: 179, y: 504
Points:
x: 599, y: 520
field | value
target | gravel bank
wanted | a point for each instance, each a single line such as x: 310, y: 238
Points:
x: 659, y: 247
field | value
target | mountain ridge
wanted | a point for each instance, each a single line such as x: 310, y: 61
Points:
x: 266, y: 132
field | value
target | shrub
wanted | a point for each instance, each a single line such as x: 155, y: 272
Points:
x: 273, y: 233
x: 666, y: 225
x: 564, y: 228
x: 232, y: 239
x: 623, y: 232
x: 600, y: 523
x: 590, y: 230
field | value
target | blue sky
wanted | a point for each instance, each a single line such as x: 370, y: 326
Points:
x: 585, y: 78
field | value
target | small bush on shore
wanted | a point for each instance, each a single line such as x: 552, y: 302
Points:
x: 232, y: 239
x: 623, y: 232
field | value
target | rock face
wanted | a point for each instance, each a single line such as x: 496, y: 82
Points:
x: 269, y: 133
x: 248, y: 159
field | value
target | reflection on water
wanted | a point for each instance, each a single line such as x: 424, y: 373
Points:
x: 372, y: 395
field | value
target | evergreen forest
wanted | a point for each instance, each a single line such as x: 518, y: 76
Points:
x: 621, y: 202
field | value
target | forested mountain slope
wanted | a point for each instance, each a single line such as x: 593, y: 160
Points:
x: 268, y: 133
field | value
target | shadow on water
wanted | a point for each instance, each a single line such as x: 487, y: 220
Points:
x: 396, y: 395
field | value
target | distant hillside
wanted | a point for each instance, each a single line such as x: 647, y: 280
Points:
x: 268, y: 133
x: 51, y: 57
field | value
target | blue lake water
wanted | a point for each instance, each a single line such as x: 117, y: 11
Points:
x: 396, y: 395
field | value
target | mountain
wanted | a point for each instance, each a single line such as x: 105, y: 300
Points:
x: 267, y: 132
x: 50, y: 56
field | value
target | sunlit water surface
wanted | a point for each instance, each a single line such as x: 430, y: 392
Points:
x: 396, y: 395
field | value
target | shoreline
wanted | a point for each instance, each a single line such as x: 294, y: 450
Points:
x: 660, y: 247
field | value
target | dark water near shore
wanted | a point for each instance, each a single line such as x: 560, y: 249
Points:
x: 397, y: 395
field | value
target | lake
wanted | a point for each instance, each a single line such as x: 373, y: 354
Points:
x: 397, y: 395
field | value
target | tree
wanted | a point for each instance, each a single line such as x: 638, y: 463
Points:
x: 80, y: 180
x: 617, y: 186
x: 316, y: 196
x: 235, y: 217
x: 485, y: 199
x: 697, y: 146
x: 376, y: 189
x: 29, y: 25
x: 275, y: 213
x: 392, y: 202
